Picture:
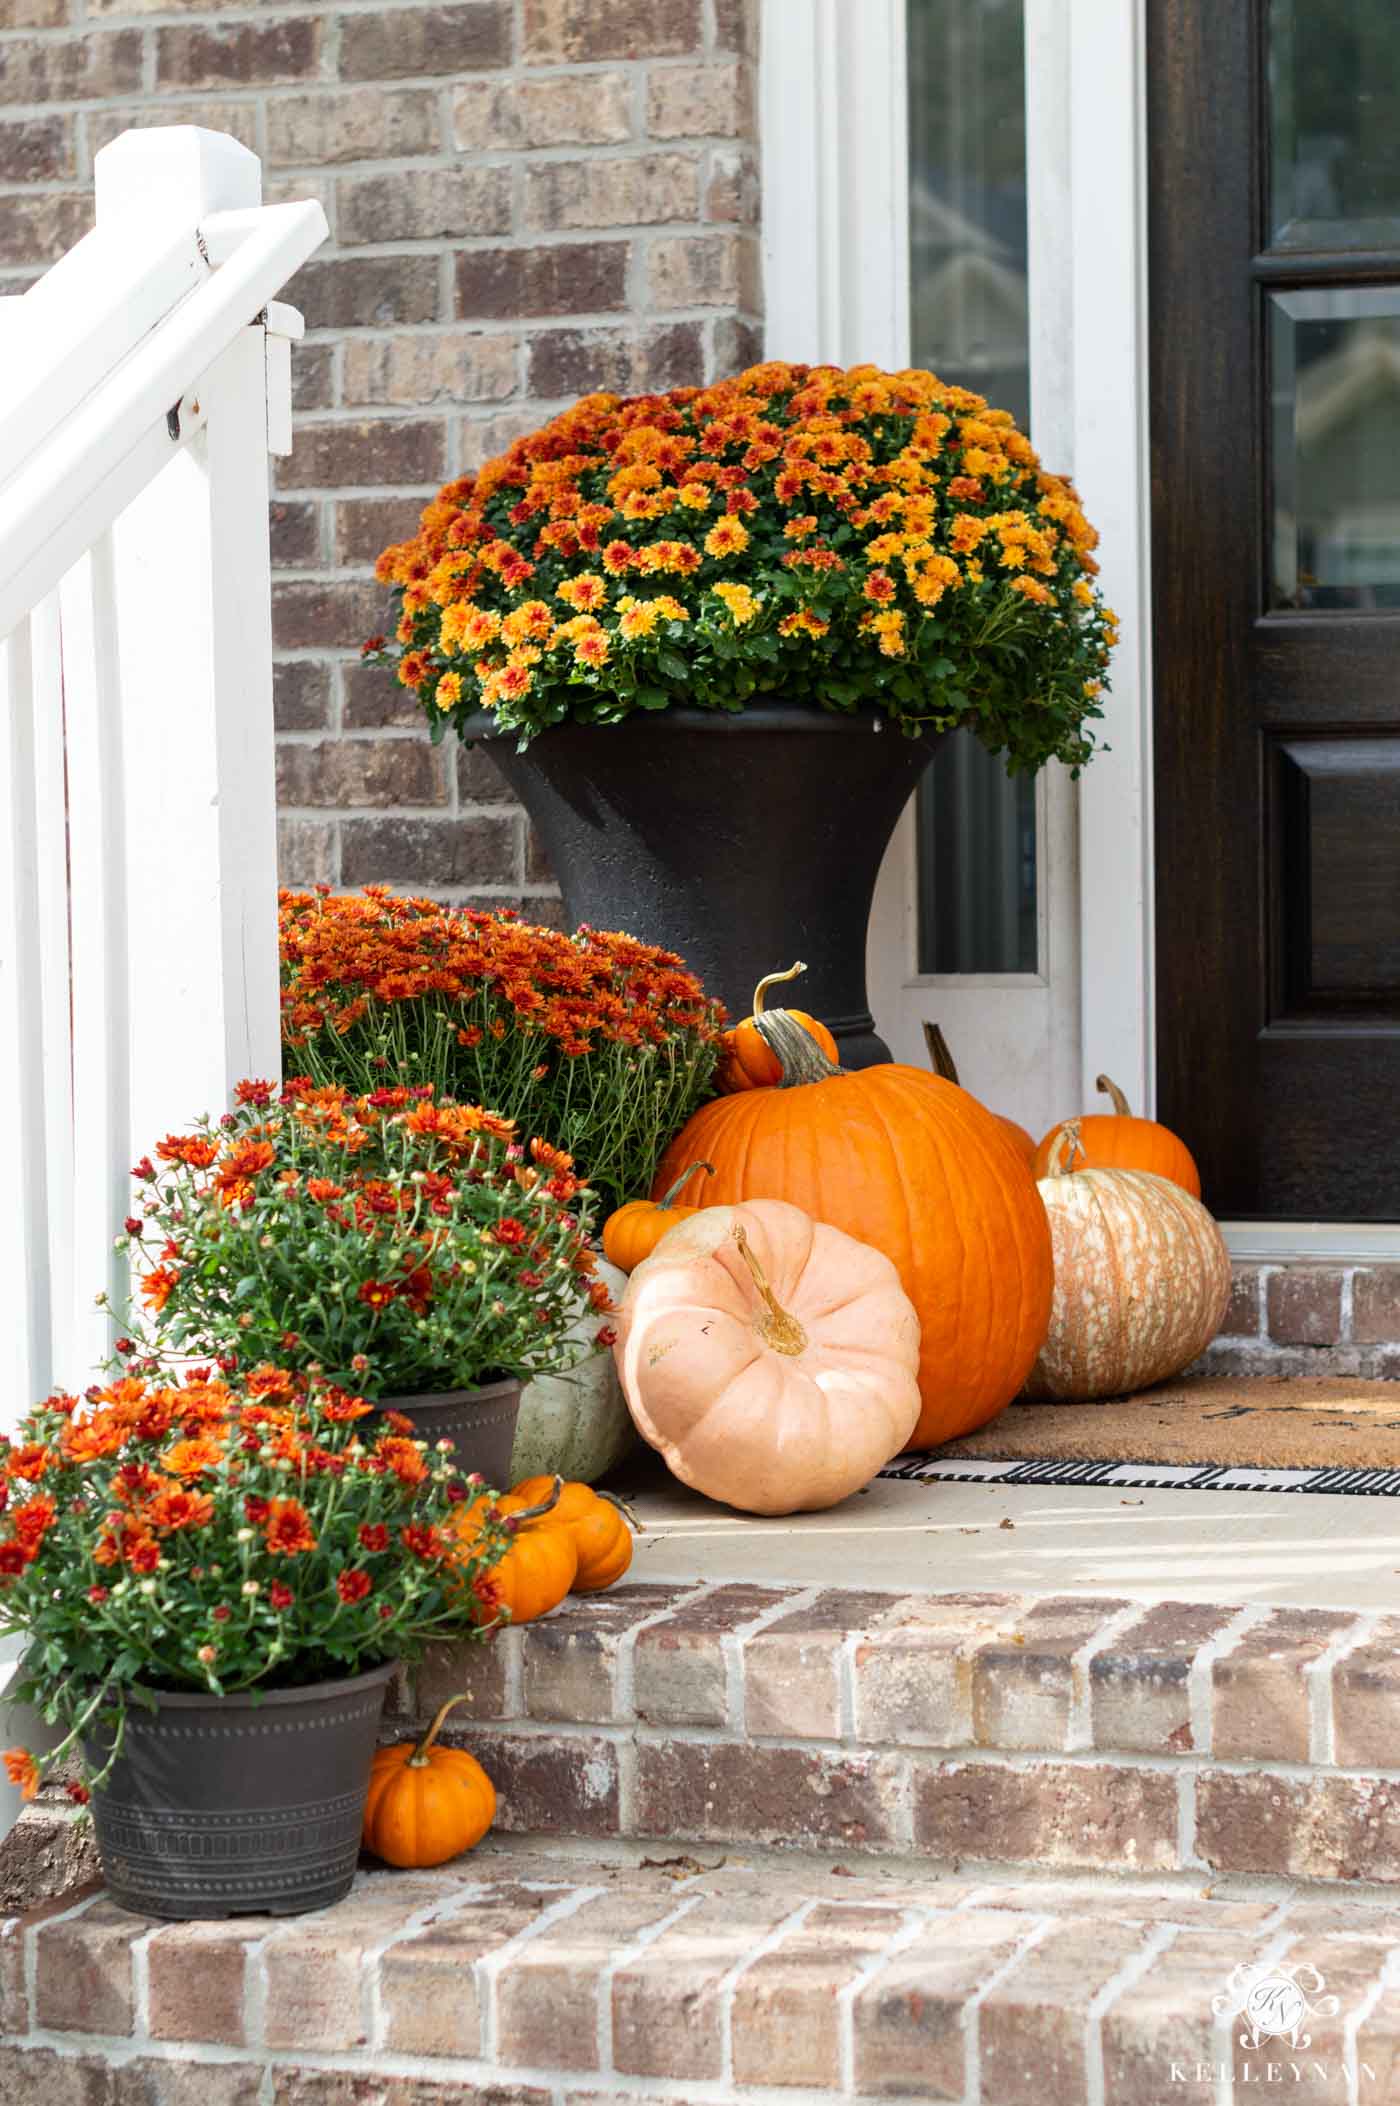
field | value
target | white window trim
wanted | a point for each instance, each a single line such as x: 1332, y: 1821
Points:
x: 835, y: 213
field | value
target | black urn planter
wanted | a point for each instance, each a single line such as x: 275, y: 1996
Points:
x: 741, y: 841
x: 249, y: 1804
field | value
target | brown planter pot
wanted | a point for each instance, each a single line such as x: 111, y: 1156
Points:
x: 480, y: 1423
x: 250, y: 1804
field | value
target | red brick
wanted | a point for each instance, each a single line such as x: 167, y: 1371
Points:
x: 1139, y: 1685
x: 733, y: 192
x: 83, y: 1971
x: 562, y: 31
x: 548, y: 1783
x: 423, y: 204
x: 736, y: 26
x: 359, y: 772
x: 766, y: 1794
x: 340, y: 615
x: 547, y: 1998
x: 1375, y: 1304
x: 1244, y: 1314
x: 1050, y: 1814
x: 1300, y: 1828
x: 1260, y: 1691
x: 349, y: 124
x: 313, y: 376
x: 305, y: 852
x: 247, y: 53
x: 784, y: 2016
x: 479, y: 780
x: 713, y: 100
x: 37, y: 150
x: 374, y: 699
x: 350, y: 292
x: 483, y: 1671
x: 343, y: 2087
x: 566, y: 362
x: 224, y: 113
x: 667, y: 2001
x: 1162, y: 2018
x: 565, y: 277
x: 428, y: 1983
x: 448, y: 854
x: 908, y: 2017
x: 558, y: 109
x: 364, y: 526
x: 636, y: 190
x: 1366, y: 1700
x: 314, y: 1968
x: 571, y: 1661
x: 71, y: 69
x: 913, y: 1679
x: 39, y: 14
x: 792, y: 1685
x: 198, y: 1975
x: 455, y: 365
x: 1304, y: 1305
x: 378, y: 450
x: 38, y: 227
x: 1032, y: 2024
x: 1023, y: 1680
x: 679, y: 1671
x: 738, y: 344
x: 39, y: 2077
x: 425, y: 40
x: 295, y: 535
x: 694, y: 270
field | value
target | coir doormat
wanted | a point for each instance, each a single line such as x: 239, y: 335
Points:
x: 1202, y: 1435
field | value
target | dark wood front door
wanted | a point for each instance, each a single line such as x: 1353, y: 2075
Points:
x: 1274, y: 231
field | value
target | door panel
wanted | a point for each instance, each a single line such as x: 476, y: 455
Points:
x: 1275, y: 352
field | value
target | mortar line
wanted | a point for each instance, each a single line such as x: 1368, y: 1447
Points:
x: 1128, y: 1975
x: 1322, y: 1720
x: 1200, y: 1681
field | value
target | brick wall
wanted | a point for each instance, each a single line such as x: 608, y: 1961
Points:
x: 1312, y: 1317
x: 527, y: 199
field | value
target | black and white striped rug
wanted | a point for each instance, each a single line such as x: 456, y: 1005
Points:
x: 1149, y: 1477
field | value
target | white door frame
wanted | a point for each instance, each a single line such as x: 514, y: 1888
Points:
x: 835, y: 240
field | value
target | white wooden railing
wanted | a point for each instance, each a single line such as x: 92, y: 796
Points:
x: 143, y: 382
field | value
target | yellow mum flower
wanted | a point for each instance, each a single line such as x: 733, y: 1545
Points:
x: 740, y: 602
x: 449, y: 691
x: 727, y: 537
x: 696, y: 496
x: 639, y: 619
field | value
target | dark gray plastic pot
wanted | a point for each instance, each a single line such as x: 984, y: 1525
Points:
x: 480, y: 1423
x: 236, y: 1805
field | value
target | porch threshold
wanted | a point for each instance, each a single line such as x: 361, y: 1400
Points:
x: 1314, y: 1551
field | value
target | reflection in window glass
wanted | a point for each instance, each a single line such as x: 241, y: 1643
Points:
x: 1334, y: 93
x: 968, y: 322
x: 1335, y: 383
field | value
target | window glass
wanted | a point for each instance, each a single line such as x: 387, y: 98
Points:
x: 968, y: 323
x: 1334, y: 102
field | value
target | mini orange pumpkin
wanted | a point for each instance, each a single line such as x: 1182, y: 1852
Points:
x: 1117, y: 1141
x: 542, y: 1563
x: 595, y: 1520
x: 426, y: 1803
x: 940, y: 1058
x: 747, y: 1062
x: 633, y: 1232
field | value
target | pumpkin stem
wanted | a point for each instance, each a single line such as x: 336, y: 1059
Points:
x: 1069, y: 1140
x: 802, y: 1059
x: 546, y: 1506
x: 688, y: 1172
x: 632, y: 1519
x: 773, y: 980
x: 940, y: 1057
x: 775, y: 1327
x: 418, y: 1760
x: 1109, y: 1088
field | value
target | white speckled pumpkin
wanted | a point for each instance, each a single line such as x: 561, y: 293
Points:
x: 773, y: 1360
x: 1142, y: 1277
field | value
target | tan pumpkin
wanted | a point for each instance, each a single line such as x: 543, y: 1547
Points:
x: 940, y: 1059
x: 771, y: 1359
x: 1142, y: 1279
x: 427, y: 1803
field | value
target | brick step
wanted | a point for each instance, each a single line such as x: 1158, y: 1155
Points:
x: 968, y: 1729
x: 527, y: 1979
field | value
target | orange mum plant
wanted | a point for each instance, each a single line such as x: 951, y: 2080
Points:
x: 848, y: 537
x: 216, y: 1536
x: 602, y: 1044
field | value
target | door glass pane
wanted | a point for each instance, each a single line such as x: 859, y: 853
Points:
x: 1335, y: 386
x: 967, y: 259
x: 1334, y: 96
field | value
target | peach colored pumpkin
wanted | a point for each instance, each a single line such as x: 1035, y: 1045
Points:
x: 771, y: 1359
x: 1142, y: 1278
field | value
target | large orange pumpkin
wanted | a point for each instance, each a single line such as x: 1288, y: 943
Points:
x: 1117, y: 1141
x: 940, y: 1059
x: 915, y: 1166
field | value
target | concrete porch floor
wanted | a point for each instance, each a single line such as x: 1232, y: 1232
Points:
x: 1294, y: 1550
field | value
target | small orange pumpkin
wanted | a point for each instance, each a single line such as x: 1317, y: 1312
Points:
x: 747, y: 1062
x: 940, y: 1056
x: 595, y: 1520
x: 1117, y: 1141
x: 426, y: 1803
x: 542, y: 1563
x: 633, y: 1232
